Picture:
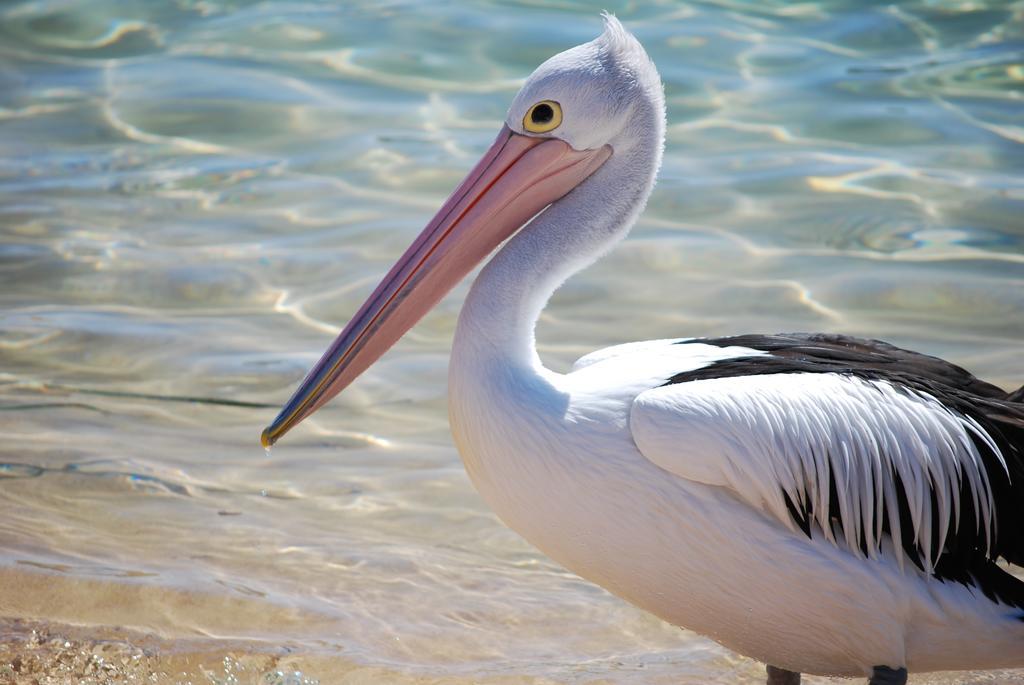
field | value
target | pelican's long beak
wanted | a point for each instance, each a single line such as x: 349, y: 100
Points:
x: 517, y: 178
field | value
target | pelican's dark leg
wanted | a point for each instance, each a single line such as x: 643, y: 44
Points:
x: 883, y: 675
x: 780, y: 676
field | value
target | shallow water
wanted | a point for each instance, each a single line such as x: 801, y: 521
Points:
x: 195, y: 195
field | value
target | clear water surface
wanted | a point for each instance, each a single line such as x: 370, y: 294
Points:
x: 196, y: 194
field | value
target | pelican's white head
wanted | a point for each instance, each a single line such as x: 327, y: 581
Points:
x: 597, y: 102
x: 594, y: 93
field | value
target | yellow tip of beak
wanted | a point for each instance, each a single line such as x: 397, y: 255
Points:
x: 265, y: 439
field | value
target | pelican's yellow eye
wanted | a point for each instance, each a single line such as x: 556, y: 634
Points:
x: 545, y: 116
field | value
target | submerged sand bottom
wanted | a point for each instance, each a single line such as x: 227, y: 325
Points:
x: 59, y: 630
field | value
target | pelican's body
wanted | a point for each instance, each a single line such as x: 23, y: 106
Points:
x: 823, y: 504
x: 554, y: 456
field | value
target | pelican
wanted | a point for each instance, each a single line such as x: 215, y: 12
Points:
x: 821, y: 503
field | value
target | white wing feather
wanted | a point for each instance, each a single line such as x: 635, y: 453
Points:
x: 632, y: 348
x: 766, y: 435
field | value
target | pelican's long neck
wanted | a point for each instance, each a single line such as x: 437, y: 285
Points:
x: 498, y: 319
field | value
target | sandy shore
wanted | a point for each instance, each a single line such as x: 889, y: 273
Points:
x: 35, y: 653
x: 44, y: 654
